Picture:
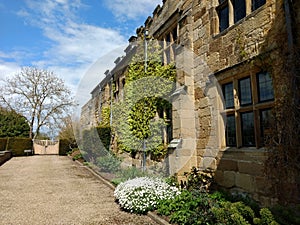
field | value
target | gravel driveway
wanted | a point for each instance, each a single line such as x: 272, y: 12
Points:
x: 56, y: 190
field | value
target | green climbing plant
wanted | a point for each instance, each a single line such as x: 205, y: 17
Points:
x: 146, y: 92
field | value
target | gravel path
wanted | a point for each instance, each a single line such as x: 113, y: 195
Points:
x: 56, y: 190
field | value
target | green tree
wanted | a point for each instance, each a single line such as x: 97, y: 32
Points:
x: 146, y: 93
x: 13, y: 124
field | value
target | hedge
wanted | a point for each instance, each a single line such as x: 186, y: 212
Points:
x: 64, y: 146
x: 95, y: 142
x: 18, y: 145
x: 3, y: 142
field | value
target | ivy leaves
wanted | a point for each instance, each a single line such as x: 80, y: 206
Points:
x: 136, y: 117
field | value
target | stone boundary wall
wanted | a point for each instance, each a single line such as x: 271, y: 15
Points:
x: 5, y: 156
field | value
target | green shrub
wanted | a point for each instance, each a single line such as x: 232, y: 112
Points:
x: 95, y: 142
x: 197, y: 180
x: 236, y: 213
x: 78, y: 156
x: 64, y: 146
x: 197, y: 207
x: 188, y: 208
x: 127, y: 174
x: 287, y: 215
x: 108, y: 163
x: 246, y: 199
x: 266, y: 218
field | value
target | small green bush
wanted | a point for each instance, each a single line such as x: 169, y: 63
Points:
x: 64, y: 146
x: 266, y: 218
x: 78, y: 156
x: 197, y: 207
x: 287, y: 215
x: 236, y: 213
x: 197, y: 180
x: 108, y: 163
x: 188, y: 208
x: 125, y: 174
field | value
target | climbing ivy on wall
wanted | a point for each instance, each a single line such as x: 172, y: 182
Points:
x: 283, y: 163
x: 146, y: 91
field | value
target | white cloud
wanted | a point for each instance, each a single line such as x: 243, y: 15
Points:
x: 75, y: 46
x: 77, y: 52
x: 82, y: 43
x: 8, y: 69
x: 132, y: 9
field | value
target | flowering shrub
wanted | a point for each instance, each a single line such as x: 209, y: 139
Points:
x: 142, y: 194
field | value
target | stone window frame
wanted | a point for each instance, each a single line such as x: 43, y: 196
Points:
x: 169, y: 42
x: 257, y: 107
x: 250, y: 8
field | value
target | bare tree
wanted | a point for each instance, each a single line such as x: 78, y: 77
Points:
x: 37, y: 94
x: 69, y: 129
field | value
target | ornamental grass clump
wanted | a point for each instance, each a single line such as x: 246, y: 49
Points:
x: 142, y: 194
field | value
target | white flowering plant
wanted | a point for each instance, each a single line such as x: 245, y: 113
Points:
x: 142, y: 194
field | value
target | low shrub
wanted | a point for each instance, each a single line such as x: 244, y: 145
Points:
x: 197, y: 207
x: 64, y: 146
x: 267, y: 218
x: 109, y: 163
x: 76, y: 154
x: 128, y: 173
x: 236, y: 213
x: 287, y: 215
x: 197, y: 180
x: 142, y: 194
x: 190, y: 207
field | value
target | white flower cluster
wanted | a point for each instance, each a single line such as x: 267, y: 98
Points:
x: 142, y: 194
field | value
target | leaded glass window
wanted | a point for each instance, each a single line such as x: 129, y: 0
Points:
x: 239, y: 7
x: 230, y: 131
x: 265, y: 87
x: 248, y: 134
x: 228, y: 95
x: 245, y: 91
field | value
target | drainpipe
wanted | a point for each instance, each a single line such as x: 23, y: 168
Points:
x: 111, y: 100
x: 145, y: 67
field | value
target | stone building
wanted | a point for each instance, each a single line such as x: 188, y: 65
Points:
x: 227, y: 55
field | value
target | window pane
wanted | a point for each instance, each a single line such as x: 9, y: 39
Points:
x: 248, y: 129
x: 239, y: 7
x: 168, y: 38
x: 245, y: 91
x: 228, y: 95
x: 265, y: 87
x: 266, y: 118
x: 223, y: 18
x: 174, y: 33
x: 230, y: 131
x: 257, y: 3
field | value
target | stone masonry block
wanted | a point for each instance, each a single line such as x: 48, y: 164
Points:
x: 245, y: 182
x: 227, y: 164
x: 251, y: 168
x: 225, y: 179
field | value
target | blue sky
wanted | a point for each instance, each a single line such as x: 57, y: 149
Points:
x: 67, y: 36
